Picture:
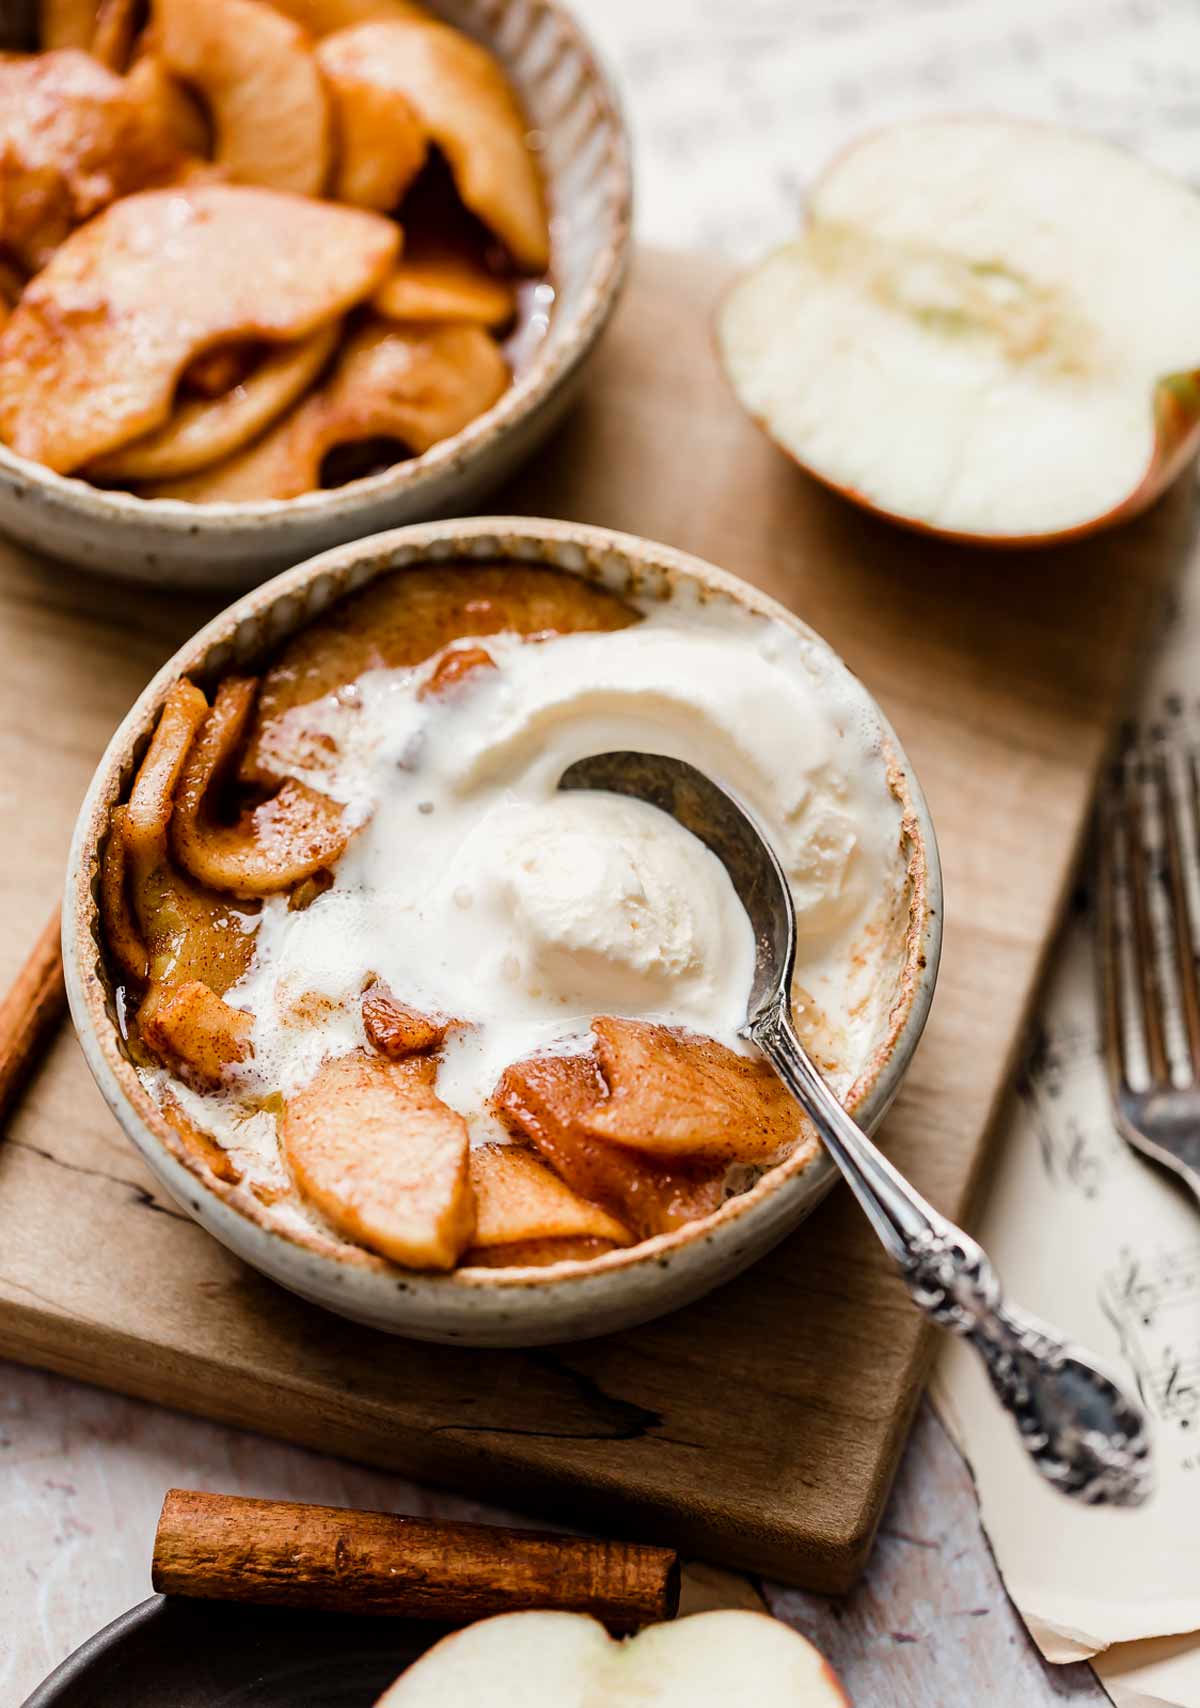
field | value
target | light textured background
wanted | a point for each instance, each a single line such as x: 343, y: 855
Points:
x: 735, y: 106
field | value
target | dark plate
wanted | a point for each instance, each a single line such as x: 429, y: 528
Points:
x: 197, y: 1654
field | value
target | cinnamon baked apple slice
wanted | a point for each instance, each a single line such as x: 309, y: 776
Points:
x: 395, y: 1029
x: 259, y: 79
x: 381, y: 143
x: 199, y: 1032
x: 401, y: 620
x: 548, y: 1100
x: 205, y: 429
x: 92, y: 354
x: 75, y: 138
x: 435, y: 282
x: 406, y: 385
x: 266, y: 848
x: 677, y: 1094
x: 525, y: 1214
x: 462, y: 100
x: 372, y: 1145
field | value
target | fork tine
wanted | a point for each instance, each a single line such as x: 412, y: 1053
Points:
x: 1112, y: 992
x: 1144, y: 960
x: 1179, y: 908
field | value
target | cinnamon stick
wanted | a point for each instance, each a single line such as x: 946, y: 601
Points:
x: 31, y: 1011
x: 338, y: 1560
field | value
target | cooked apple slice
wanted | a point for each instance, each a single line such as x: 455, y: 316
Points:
x: 678, y: 1094
x: 403, y: 619
x: 268, y: 847
x: 463, y: 101
x: 152, y: 798
x: 116, y: 28
x: 455, y: 666
x: 199, y: 1145
x: 260, y: 82
x: 568, y: 1660
x: 435, y: 283
x: 74, y: 139
x: 125, y: 942
x: 203, y: 430
x: 524, y: 1214
x: 395, y: 1029
x: 90, y: 357
x: 381, y: 143
x: 965, y: 339
x: 196, y: 1030
x: 66, y: 23
x: 548, y: 1100
x: 412, y: 385
x: 377, y: 1151
x: 322, y: 17
x: 167, y: 103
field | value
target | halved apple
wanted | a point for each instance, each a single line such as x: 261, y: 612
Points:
x: 968, y: 338
x: 463, y: 101
x: 90, y: 358
x: 267, y: 847
x: 203, y: 430
x: 405, y: 385
x: 381, y: 143
x: 377, y: 1151
x: 568, y: 1660
x: 526, y: 1215
x: 259, y: 79
x: 74, y: 138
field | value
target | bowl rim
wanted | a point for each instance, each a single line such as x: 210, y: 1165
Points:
x: 550, y: 369
x: 805, y: 1175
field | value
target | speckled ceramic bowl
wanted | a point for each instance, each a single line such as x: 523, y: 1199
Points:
x: 584, y: 155
x: 482, y: 1307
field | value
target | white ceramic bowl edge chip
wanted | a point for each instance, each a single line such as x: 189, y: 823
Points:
x: 583, y: 148
x: 482, y: 1307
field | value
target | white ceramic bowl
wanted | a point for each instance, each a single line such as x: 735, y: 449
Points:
x: 584, y: 154
x: 483, y: 1307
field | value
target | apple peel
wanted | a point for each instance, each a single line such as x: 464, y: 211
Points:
x: 966, y: 341
x: 568, y: 1660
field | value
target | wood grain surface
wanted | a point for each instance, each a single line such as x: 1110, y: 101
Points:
x: 762, y: 1426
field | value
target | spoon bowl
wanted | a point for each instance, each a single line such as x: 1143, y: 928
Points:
x: 1082, y: 1432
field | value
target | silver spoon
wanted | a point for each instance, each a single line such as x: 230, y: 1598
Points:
x: 1084, y: 1435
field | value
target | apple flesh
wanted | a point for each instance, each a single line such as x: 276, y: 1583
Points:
x: 987, y: 329
x: 568, y: 1660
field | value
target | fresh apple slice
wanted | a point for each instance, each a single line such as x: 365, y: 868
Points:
x: 568, y: 1660
x: 376, y: 1150
x: 398, y: 622
x: 90, y: 358
x: 968, y: 338
x: 74, y: 139
x: 203, y: 430
x: 462, y: 100
x: 381, y: 143
x: 257, y: 74
x: 548, y: 1099
x: 269, y: 847
x: 406, y: 385
x: 526, y: 1214
x: 677, y: 1094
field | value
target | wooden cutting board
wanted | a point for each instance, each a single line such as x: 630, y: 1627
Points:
x: 762, y: 1426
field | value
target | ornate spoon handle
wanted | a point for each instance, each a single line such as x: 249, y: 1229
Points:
x: 1082, y: 1433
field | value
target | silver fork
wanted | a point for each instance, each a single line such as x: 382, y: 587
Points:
x: 1147, y: 953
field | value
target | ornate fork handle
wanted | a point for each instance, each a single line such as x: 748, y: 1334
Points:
x: 1082, y: 1433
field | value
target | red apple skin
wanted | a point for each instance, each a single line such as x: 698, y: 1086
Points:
x: 1176, y: 420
